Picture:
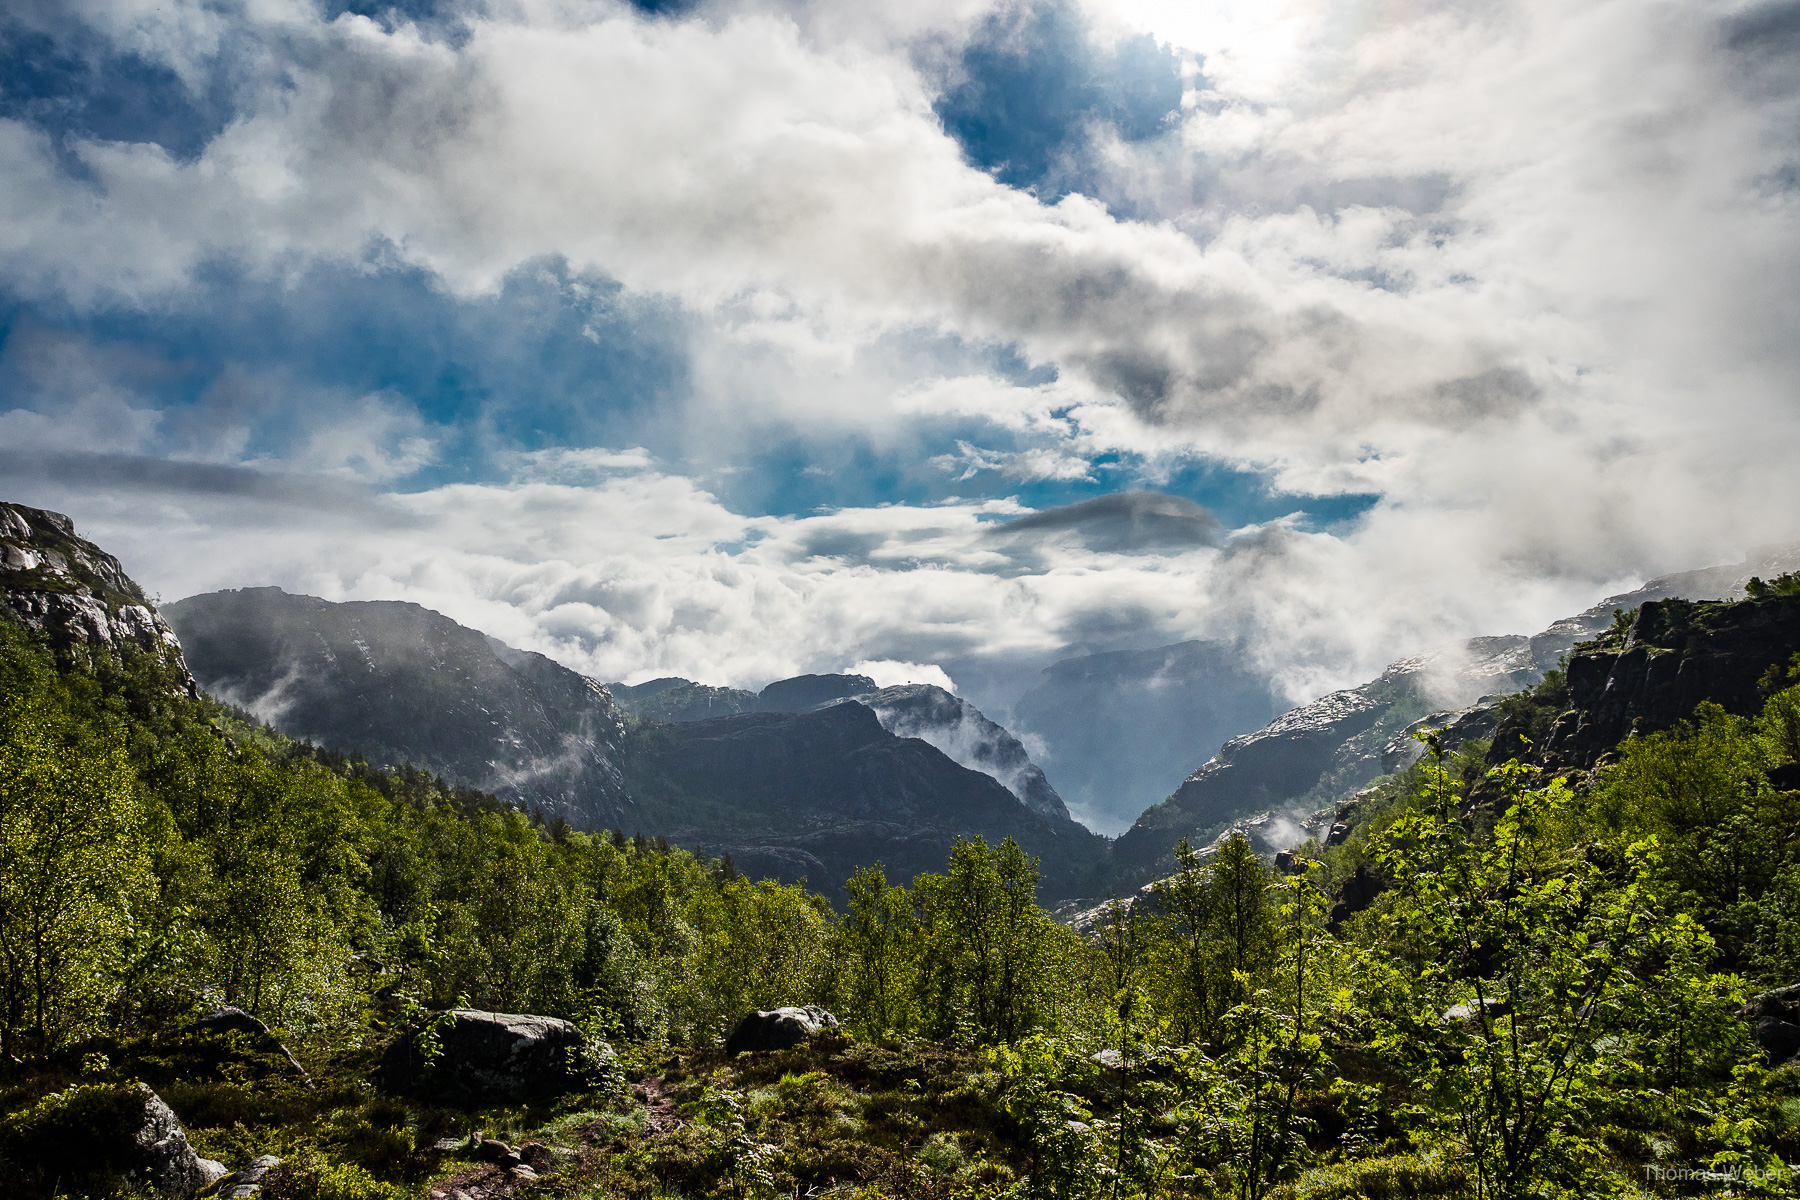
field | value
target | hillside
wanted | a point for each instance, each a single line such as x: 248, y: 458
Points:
x: 916, y: 710
x: 1319, y: 754
x: 399, y: 683
x: 792, y: 791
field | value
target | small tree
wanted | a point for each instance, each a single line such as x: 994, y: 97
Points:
x: 73, y: 872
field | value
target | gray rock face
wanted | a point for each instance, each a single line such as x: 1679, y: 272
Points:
x: 242, y: 1185
x: 778, y: 1029
x: 489, y: 1057
x: 400, y: 683
x: 966, y: 736
x: 73, y: 593
x: 169, y: 1166
x: 1318, y: 755
x: 957, y: 728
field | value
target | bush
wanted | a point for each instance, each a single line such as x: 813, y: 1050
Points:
x: 79, y: 1140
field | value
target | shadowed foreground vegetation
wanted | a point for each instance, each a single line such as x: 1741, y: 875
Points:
x: 1532, y: 993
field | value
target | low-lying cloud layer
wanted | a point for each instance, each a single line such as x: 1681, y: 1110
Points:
x: 778, y: 335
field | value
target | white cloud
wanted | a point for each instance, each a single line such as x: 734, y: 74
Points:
x: 1527, y: 271
x: 888, y: 673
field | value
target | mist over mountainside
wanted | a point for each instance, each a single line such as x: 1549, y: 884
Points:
x: 1119, y: 731
x: 915, y: 710
x: 1320, y: 753
x: 400, y: 683
x: 805, y: 787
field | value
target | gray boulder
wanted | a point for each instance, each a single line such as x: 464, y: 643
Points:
x: 778, y: 1029
x: 242, y: 1185
x: 1778, y: 1038
x: 489, y: 1057
x: 229, y: 1019
x: 166, y: 1163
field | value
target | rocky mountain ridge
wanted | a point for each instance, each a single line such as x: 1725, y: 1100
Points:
x: 72, y: 593
x: 397, y: 683
x: 811, y: 788
x: 916, y: 710
x: 1317, y: 755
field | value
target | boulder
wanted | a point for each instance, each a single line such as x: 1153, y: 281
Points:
x: 1778, y: 1038
x: 166, y: 1163
x: 244, y: 1184
x: 488, y: 1057
x: 778, y: 1029
x: 229, y: 1019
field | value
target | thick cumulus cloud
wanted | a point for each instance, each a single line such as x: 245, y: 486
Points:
x: 1524, y: 273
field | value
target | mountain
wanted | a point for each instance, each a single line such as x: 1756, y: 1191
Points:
x: 915, y: 710
x: 73, y: 593
x: 816, y: 794
x: 1121, y: 730
x: 401, y: 683
x: 1320, y: 753
x: 806, y: 786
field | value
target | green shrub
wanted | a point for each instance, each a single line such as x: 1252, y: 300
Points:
x: 78, y: 1140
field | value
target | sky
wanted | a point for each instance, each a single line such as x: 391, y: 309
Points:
x: 740, y: 338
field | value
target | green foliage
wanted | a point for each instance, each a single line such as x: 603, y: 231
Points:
x: 1782, y: 585
x: 1539, y: 1002
x: 74, y: 1141
x: 74, y: 873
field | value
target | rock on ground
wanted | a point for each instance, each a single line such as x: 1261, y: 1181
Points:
x: 778, y: 1029
x: 490, y: 1057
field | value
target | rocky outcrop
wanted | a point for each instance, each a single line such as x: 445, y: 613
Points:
x: 957, y: 728
x: 1676, y: 654
x: 72, y: 593
x: 490, y: 1058
x: 778, y: 1029
x: 227, y: 1019
x: 966, y: 736
x: 400, y: 683
x: 673, y: 699
x: 167, y: 1164
x: 244, y: 1184
x: 1315, y: 757
x: 1259, y: 770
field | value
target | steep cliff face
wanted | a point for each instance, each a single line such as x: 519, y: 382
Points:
x: 816, y: 794
x: 964, y: 734
x: 71, y: 592
x: 1675, y: 654
x: 1321, y: 753
x: 400, y: 683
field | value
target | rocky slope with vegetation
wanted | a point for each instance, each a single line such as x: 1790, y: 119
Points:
x: 398, y: 683
x: 788, y: 787
x: 914, y: 710
x: 1316, y: 756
